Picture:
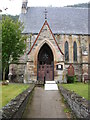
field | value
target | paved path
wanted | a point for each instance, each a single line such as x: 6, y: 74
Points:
x: 45, y: 104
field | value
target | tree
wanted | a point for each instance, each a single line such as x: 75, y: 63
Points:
x: 13, y: 43
x: 15, y: 18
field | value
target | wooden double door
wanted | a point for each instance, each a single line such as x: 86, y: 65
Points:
x: 45, y: 72
x: 45, y: 67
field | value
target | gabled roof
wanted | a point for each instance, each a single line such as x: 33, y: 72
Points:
x: 62, y: 20
x: 45, y: 23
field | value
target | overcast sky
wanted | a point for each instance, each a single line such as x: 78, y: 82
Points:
x: 14, y: 6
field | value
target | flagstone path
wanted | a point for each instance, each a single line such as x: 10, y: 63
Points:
x: 45, y: 104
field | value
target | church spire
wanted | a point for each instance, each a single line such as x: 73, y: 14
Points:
x: 24, y: 6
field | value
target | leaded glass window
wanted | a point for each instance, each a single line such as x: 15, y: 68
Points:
x: 66, y: 51
x: 75, y: 51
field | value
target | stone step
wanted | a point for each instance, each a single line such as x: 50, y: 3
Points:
x: 50, y: 85
x: 50, y: 82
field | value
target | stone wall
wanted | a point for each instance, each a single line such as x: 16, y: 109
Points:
x: 16, y: 107
x: 61, y: 39
x: 77, y: 70
x: 89, y: 58
x: 79, y: 105
x: 82, y: 52
x: 82, y: 45
x: 17, y: 72
x: 81, y: 65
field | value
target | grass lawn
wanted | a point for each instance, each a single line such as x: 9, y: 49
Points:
x: 11, y: 91
x: 79, y: 88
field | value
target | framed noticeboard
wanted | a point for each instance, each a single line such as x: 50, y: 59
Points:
x: 59, y: 67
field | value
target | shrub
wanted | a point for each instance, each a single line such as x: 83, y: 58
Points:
x: 71, y: 79
x: 75, y: 78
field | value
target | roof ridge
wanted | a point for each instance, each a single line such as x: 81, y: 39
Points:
x: 57, y: 7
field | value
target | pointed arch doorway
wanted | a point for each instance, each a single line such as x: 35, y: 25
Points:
x: 45, y: 65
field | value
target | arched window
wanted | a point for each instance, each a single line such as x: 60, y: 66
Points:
x: 75, y: 51
x: 66, y: 51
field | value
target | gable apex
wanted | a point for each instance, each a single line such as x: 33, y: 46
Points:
x: 45, y: 23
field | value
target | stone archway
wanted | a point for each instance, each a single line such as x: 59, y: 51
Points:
x: 45, y: 64
x: 36, y: 51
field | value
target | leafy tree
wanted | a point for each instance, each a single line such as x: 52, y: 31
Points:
x: 82, y: 5
x: 13, y: 43
x: 15, y: 18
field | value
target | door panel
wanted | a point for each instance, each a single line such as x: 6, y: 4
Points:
x: 45, y: 71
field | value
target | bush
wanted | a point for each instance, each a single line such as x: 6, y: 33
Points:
x: 75, y: 78
x: 71, y: 79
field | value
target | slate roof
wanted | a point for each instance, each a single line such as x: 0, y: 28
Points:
x: 62, y: 20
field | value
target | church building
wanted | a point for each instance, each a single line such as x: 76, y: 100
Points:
x: 56, y: 38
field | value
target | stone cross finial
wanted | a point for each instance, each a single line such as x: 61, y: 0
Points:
x: 45, y: 14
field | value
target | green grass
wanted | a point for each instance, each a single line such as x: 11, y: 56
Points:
x: 79, y: 88
x: 11, y: 91
x: 67, y: 110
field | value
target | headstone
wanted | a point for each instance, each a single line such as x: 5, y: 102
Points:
x: 85, y: 77
x: 71, y: 70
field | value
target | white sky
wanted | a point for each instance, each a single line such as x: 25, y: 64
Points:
x: 14, y: 6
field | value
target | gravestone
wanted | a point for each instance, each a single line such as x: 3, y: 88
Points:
x: 85, y: 77
x: 71, y: 70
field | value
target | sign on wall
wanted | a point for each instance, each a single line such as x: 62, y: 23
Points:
x: 59, y: 67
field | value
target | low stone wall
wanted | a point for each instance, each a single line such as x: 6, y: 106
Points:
x: 16, y: 107
x: 79, y: 106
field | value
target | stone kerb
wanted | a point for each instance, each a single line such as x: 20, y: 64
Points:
x: 16, y: 107
x: 78, y: 104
